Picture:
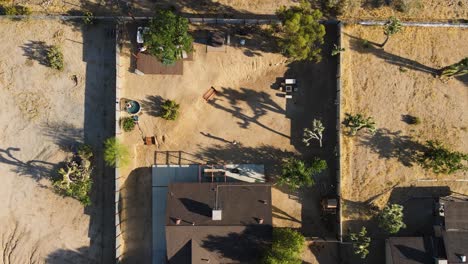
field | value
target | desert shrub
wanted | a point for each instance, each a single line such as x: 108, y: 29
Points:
x: 406, y: 6
x: 168, y: 36
x: 392, y: 27
x: 88, y: 18
x: 301, y: 35
x: 296, y: 173
x: 361, y: 243
x: 128, y: 124
x: 414, y: 120
x: 365, y: 44
x: 440, y: 159
x: 170, y: 110
x: 116, y: 154
x: 287, y: 247
x: 358, y: 122
x: 75, y: 177
x: 55, y: 58
x: 391, y: 218
x: 15, y: 10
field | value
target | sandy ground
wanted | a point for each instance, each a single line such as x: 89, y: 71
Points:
x: 248, y: 109
x: 388, y: 84
x: 43, y: 116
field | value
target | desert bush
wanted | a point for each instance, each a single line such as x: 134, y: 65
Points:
x: 168, y: 36
x: 391, y: 218
x: 358, y: 122
x: 55, y: 58
x: 116, y: 154
x: 128, y: 124
x: 361, y: 242
x: 75, y: 177
x: 296, y: 173
x: 337, y: 50
x: 406, y: 6
x: 414, y: 120
x: 287, y: 247
x: 88, y: 18
x: 15, y: 10
x: 440, y: 159
x: 301, y: 35
x: 170, y: 110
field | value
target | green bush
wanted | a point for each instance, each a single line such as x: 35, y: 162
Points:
x: 55, y: 58
x: 75, y: 180
x: 286, y: 248
x: 128, y: 124
x: 116, y: 154
x: 15, y: 10
x: 170, y: 110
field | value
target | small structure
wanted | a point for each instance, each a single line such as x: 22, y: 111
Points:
x: 209, y: 94
x: 329, y: 205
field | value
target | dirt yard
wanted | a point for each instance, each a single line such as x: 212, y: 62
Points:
x: 249, y: 108
x: 389, y: 84
x: 45, y: 112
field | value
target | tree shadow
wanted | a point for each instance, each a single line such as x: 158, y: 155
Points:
x: 325, y: 252
x: 196, y: 207
x: 60, y: 256
x: 243, y: 247
x: 65, y: 135
x: 268, y: 155
x: 37, y: 169
x: 260, y: 103
x: 36, y: 50
x: 278, y: 213
x: 392, y: 144
x: 356, y: 44
x: 152, y: 105
x: 136, y: 216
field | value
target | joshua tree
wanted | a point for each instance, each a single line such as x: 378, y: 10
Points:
x: 337, y: 50
x: 392, y: 27
x: 391, y: 218
x: 358, y: 122
x: 440, y: 159
x: 457, y: 69
x: 361, y: 242
x: 315, y: 133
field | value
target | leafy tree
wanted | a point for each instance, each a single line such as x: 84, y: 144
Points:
x: 55, y: 58
x: 301, y: 33
x: 286, y: 248
x: 315, y: 133
x: 128, y: 124
x: 439, y: 159
x: 358, y: 122
x: 391, y: 218
x: 295, y: 173
x: 168, y: 36
x: 75, y: 180
x: 170, y: 110
x: 457, y: 69
x: 361, y: 242
x: 116, y: 154
x: 392, y: 27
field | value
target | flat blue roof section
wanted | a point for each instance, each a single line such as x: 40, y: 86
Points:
x: 162, y: 176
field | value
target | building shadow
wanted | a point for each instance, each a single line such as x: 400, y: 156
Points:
x: 36, y: 50
x: 136, y: 216
x: 393, y: 145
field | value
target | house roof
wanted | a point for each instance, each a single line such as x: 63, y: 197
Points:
x: 149, y: 64
x: 456, y: 215
x: 410, y: 250
x: 237, y: 238
x: 456, y: 245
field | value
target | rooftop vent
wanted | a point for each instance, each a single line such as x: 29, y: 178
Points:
x: 217, y: 215
x: 463, y: 258
x: 178, y: 221
x: 260, y: 220
x: 441, y: 261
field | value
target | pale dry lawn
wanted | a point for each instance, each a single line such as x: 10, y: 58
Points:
x: 387, y: 84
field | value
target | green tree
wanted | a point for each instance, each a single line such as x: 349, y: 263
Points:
x: 440, y: 159
x: 391, y: 218
x: 457, y: 69
x: 296, y: 174
x: 315, y: 133
x: 170, y: 110
x: 392, y: 27
x: 301, y: 34
x: 361, y: 243
x: 358, y: 122
x: 168, y: 36
x: 55, y: 58
x: 75, y: 177
x: 128, y: 124
x: 116, y: 154
x: 286, y: 248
